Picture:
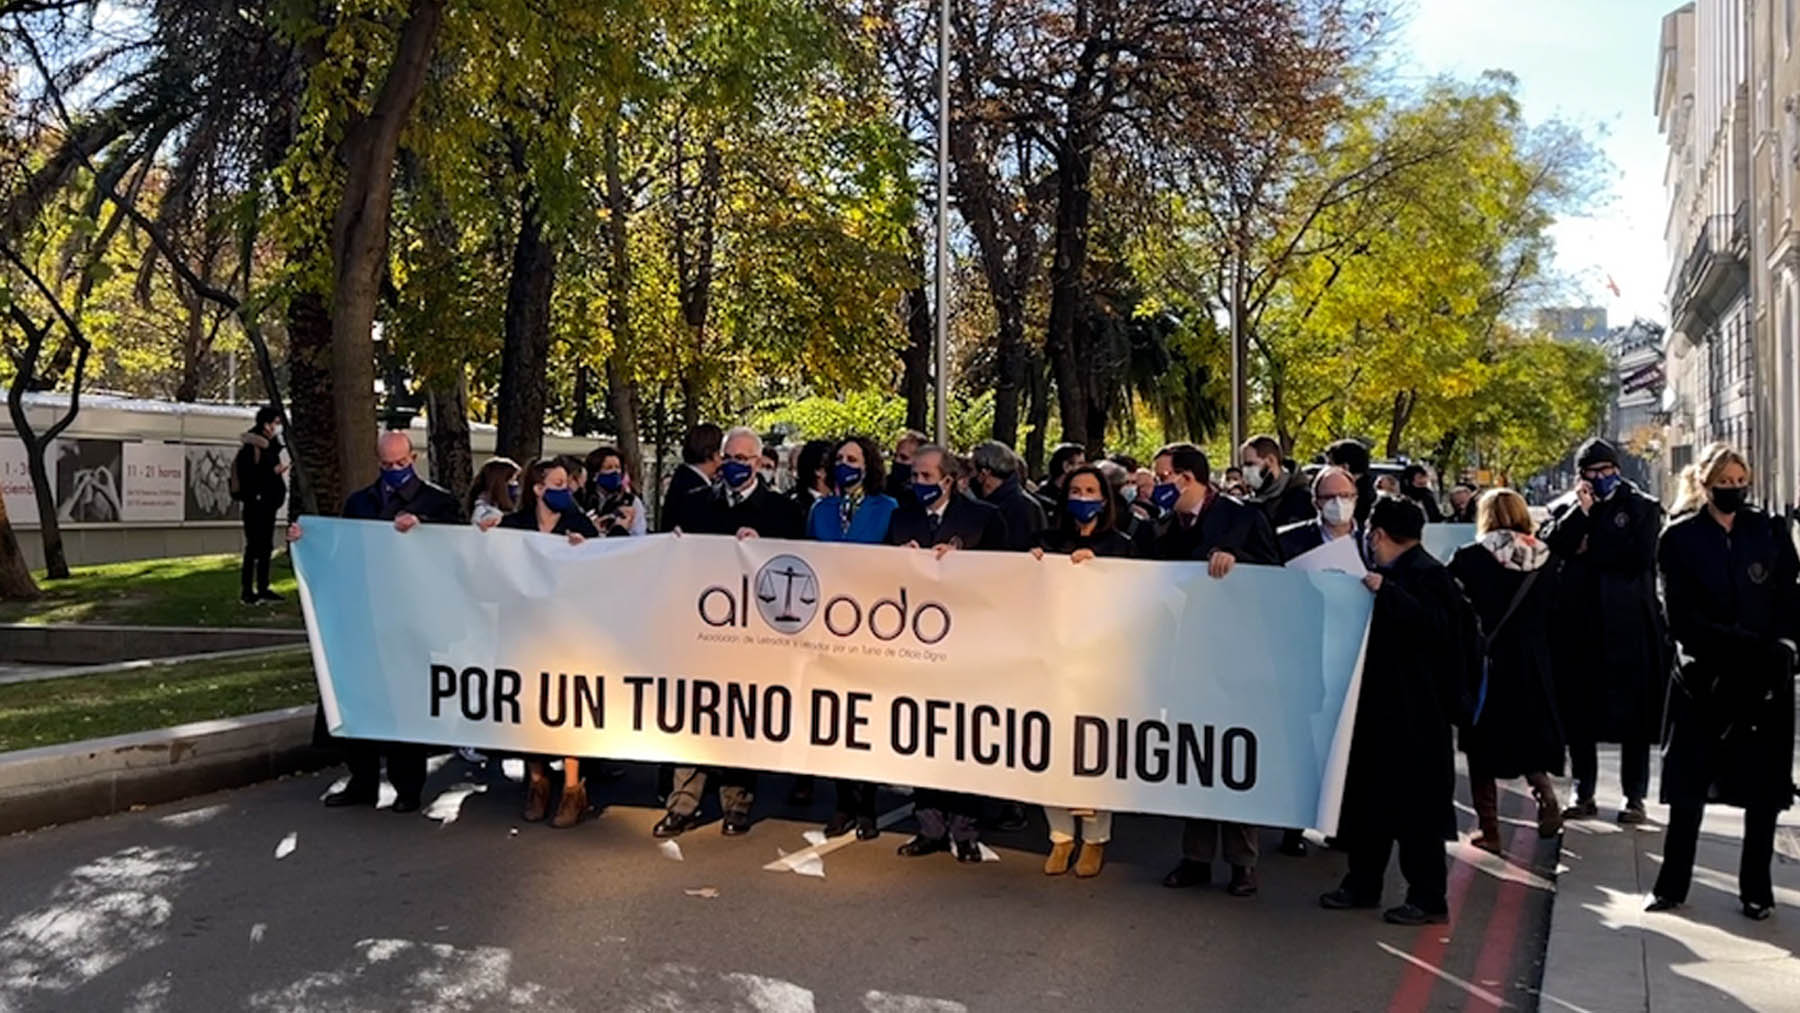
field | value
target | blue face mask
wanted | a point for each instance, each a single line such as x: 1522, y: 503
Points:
x: 559, y: 500
x: 609, y: 481
x: 1604, y: 485
x: 397, y: 477
x: 927, y: 493
x: 1084, y: 510
x: 512, y: 491
x: 902, y: 472
x: 847, y: 477
x: 1164, y: 495
x: 736, y: 473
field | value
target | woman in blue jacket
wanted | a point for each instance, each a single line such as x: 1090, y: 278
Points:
x: 857, y: 511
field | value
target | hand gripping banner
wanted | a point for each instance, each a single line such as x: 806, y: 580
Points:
x: 1113, y: 684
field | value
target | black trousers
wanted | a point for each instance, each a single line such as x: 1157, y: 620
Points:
x: 259, y: 545
x: 855, y: 798
x: 1422, y: 862
x: 1634, y: 769
x: 1683, y: 839
x: 951, y: 814
x: 405, y: 765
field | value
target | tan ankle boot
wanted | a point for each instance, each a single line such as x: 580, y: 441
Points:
x: 1058, y: 862
x: 570, y: 809
x: 537, y: 797
x: 1093, y: 856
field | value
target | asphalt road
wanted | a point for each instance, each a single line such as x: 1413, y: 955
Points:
x: 261, y: 899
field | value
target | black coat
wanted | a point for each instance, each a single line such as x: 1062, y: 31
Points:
x: 1402, y: 775
x: 1300, y: 539
x: 970, y: 524
x: 1611, y: 654
x: 1519, y: 731
x: 1289, y: 503
x: 765, y: 511
x: 570, y: 521
x: 1434, y: 514
x: 420, y: 498
x: 683, y: 501
x: 1732, y: 599
x: 1023, y: 514
x: 260, y: 485
x: 1225, y: 524
x: 1065, y: 541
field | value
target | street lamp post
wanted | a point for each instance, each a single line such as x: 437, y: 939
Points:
x: 943, y: 222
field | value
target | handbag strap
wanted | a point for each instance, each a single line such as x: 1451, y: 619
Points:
x: 1517, y: 598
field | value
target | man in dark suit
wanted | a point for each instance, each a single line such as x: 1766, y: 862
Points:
x: 686, y: 496
x: 1334, y: 495
x: 1205, y: 524
x: 937, y: 518
x: 996, y: 481
x: 742, y: 505
x: 407, y: 500
x: 1278, y: 490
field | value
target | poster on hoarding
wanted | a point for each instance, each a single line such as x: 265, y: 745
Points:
x: 154, y: 481
x: 88, y: 479
x: 15, y: 481
x: 209, y: 482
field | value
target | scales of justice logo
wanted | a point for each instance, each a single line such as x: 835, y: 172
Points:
x: 787, y: 594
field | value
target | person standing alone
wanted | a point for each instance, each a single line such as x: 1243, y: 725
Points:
x: 259, y: 481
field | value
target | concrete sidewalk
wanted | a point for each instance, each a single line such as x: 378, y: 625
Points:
x: 1605, y: 953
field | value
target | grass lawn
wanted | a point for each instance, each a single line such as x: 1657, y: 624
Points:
x: 180, y: 591
x: 88, y: 707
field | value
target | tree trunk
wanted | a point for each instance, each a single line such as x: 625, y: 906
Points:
x: 621, y: 384
x: 15, y: 575
x: 1404, y: 403
x: 1038, y: 386
x: 694, y: 270
x: 320, y: 483
x: 915, y: 359
x: 188, y: 390
x: 584, y: 423
x: 447, y: 432
x: 525, y: 356
x: 56, y: 562
x: 359, y: 236
x: 1073, y: 205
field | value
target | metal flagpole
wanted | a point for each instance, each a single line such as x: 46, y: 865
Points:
x: 943, y: 221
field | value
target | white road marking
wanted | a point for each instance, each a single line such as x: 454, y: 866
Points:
x: 817, y: 852
x: 1474, y: 990
x: 287, y: 845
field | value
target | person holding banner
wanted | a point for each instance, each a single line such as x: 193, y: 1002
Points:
x: 745, y: 506
x: 1729, y: 572
x: 1334, y: 497
x: 615, y: 508
x: 547, y: 505
x: 1516, y: 730
x: 857, y: 512
x: 688, y: 486
x: 494, y: 494
x: 1087, y: 527
x: 996, y: 480
x: 1205, y: 524
x: 1417, y: 682
x: 402, y: 497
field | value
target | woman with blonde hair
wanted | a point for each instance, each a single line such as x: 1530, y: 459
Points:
x: 1516, y: 731
x: 1731, y: 581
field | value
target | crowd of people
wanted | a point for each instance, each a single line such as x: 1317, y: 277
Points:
x: 1532, y: 643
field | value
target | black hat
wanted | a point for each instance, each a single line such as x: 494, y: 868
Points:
x: 1596, y: 452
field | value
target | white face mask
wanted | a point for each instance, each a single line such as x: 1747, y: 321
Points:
x: 1253, y: 476
x: 1337, y: 511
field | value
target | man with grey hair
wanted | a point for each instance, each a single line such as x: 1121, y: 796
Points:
x: 744, y: 505
x: 996, y: 481
x: 936, y: 515
x: 407, y: 500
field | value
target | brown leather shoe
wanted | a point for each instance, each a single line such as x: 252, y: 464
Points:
x: 1243, y: 881
x: 1093, y: 856
x: 537, y: 798
x: 570, y: 809
x: 1060, y: 853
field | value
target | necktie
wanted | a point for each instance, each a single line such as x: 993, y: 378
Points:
x: 931, y: 524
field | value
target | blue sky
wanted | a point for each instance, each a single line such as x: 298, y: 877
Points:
x: 1587, y: 62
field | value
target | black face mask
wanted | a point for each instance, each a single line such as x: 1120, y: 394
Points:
x: 1728, y: 499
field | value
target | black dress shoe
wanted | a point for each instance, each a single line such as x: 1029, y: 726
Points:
x: 1661, y: 904
x: 968, y: 851
x: 407, y: 805
x: 1758, y: 912
x: 839, y: 824
x: 735, y: 824
x: 1188, y: 873
x: 1343, y: 900
x: 1293, y: 844
x: 866, y: 830
x: 920, y: 846
x: 269, y: 596
x: 1012, y: 817
x: 675, y: 824
x: 1412, y: 914
x: 350, y: 795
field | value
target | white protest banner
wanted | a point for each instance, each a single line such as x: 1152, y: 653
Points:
x: 155, y: 477
x: 1086, y: 685
x: 1340, y: 555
